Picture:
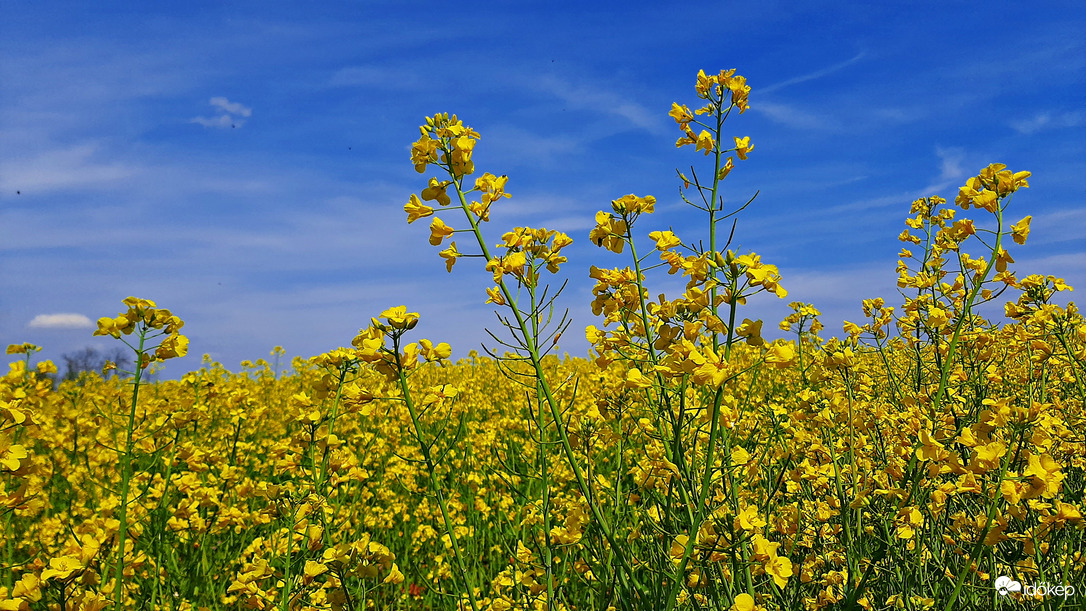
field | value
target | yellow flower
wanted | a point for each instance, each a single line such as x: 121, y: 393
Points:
x: 609, y: 232
x: 11, y: 458
x: 511, y: 264
x: 665, y: 240
x: 930, y: 449
x: 394, y: 575
x: 749, y: 519
x: 635, y: 379
x: 399, y: 318
x: 312, y: 570
x: 115, y: 326
x: 704, y: 84
x: 739, y: 88
x: 766, y: 276
x: 436, y: 191
x: 987, y: 457
x: 678, y: 546
x: 439, y: 231
x: 764, y: 549
x: 62, y: 568
x: 1046, y: 475
x: 424, y: 152
x: 1010, y: 492
x: 173, y: 346
x: 632, y: 204
x: 705, y: 142
x: 681, y: 114
x: 27, y: 588
x: 780, y: 354
x: 450, y: 255
x: 1066, y: 512
x: 415, y: 209
x: 1002, y: 259
x: 752, y: 331
x: 710, y: 369
x: 743, y: 602
x: 136, y: 303
x: 430, y: 352
x: 780, y: 569
x: 743, y: 147
x: 1020, y: 230
x: 725, y: 169
x: 937, y: 318
x: 494, y: 295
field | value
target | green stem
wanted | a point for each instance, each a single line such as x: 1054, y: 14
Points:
x: 323, y: 481
x: 431, y: 471
x: 126, y: 474
x: 287, y: 576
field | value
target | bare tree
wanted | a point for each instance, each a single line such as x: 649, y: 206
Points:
x: 90, y: 359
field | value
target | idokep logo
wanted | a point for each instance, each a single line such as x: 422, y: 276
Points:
x: 1005, y: 585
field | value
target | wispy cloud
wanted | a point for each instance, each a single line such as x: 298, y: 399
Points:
x: 817, y: 74
x: 514, y: 143
x: 950, y: 173
x: 73, y: 167
x: 593, y: 98
x: 60, y: 321
x: 1049, y: 120
x: 370, y: 76
x: 950, y: 170
x: 231, y: 114
x: 793, y: 117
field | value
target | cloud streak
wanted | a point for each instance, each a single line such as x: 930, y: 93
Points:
x: 1049, y: 120
x: 591, y: 98
x: 73, y: 167
x: 790, y: 116
x: 817, y: 74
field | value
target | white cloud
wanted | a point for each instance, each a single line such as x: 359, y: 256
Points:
x: 60, y: 321
x: 234, y: 108
x: 219, y: 121
x: 230, y: 113
x: 1049, y: 120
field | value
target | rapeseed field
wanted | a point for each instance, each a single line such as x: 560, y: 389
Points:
x: 927, y: 458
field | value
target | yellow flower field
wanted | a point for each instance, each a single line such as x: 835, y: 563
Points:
x: 690, y: 463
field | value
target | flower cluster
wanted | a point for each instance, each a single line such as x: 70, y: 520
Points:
x: 722, y: 92
x: 143, y: 316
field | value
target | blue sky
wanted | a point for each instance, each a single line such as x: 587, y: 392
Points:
x: 246, y: 165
